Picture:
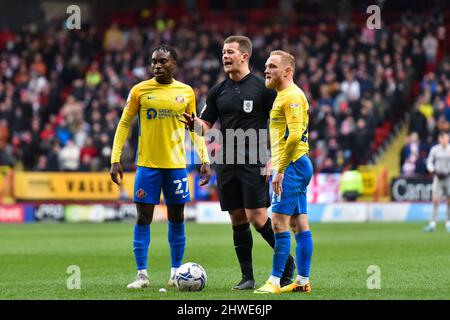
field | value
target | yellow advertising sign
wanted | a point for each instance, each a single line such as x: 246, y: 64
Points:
x: 96, y: 186
x: 71, y: 186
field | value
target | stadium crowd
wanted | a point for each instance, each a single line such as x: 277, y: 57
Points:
x: 430, y: 116
x: 62, y: 92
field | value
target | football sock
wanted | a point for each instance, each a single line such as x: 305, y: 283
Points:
x: 266, y: 232
x: 435, y: 214
x: 177, y: 242
x: 304, y: 252
x: 141, y: 242
x: 173, y: 271
x: 143, y: 271
x: 281, y: 252
x: 243, y: 244
x: 302, y: 280
x: 274, y: 280
x: 433, y: 224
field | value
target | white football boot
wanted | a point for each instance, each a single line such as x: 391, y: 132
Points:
x: 171, y: 282
x: 140, y: 282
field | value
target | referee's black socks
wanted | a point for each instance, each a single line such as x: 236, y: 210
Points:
x: 243, y: 244
x: 267, y: 232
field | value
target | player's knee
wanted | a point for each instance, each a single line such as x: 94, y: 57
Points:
x: 144, y: 214
x: 175, y: 213
x: 303, y: 223
x: 279, y: 226
x: 258, y: 221
x: 238, y: 217
x: 176, y: 218
x: 295, y: 226
x: 299, y: 223
x: 143, y: 220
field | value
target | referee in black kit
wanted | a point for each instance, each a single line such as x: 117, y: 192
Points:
x: 242, y: 103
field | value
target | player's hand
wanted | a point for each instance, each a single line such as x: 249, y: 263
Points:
x: 189, y: 120
x: 193, y: 123
x: 268, y: 171
x: 205, y: 174
x: 277, y: 183
x: 116, y: 169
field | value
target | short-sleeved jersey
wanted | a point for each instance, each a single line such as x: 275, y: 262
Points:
x: 159, y: 108
x: 245, y: 105
x: 290, y: 109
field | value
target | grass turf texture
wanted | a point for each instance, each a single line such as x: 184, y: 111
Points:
x: 34, y: 259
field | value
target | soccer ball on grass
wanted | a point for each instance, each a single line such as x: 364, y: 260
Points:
x: 190, y: 277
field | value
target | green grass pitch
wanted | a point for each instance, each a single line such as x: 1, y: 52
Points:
x: 34, y: 259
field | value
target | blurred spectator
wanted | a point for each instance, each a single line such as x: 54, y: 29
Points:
x: 6, y: 157
x: 113, y: 39
x: 411, y: 148
x: 28, y: 150
x: 418, y: 123
x: 53, y: 157
x: 63, y: 133
x: 88, y: 156
x: 69, y: 157
x: 350, y: 87
x: 361, y: 145
x: 42, y: 164
x: 328, y: 166
x: 409, y: 166
x: 430, y: 46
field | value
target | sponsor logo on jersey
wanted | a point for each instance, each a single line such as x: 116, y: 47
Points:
x: 248, y: 106
x: 151, y: 113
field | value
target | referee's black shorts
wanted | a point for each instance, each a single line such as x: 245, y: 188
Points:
x: 242, y: 186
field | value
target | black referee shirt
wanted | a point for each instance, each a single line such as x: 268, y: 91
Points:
x: 245, y: 105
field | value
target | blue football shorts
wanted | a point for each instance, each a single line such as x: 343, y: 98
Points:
x: 296, y: 179
x: 148, y: 183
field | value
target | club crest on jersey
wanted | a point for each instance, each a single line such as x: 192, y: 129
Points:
x: 179, y: 99
x: 248, y: 106
x: 141, y: 193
